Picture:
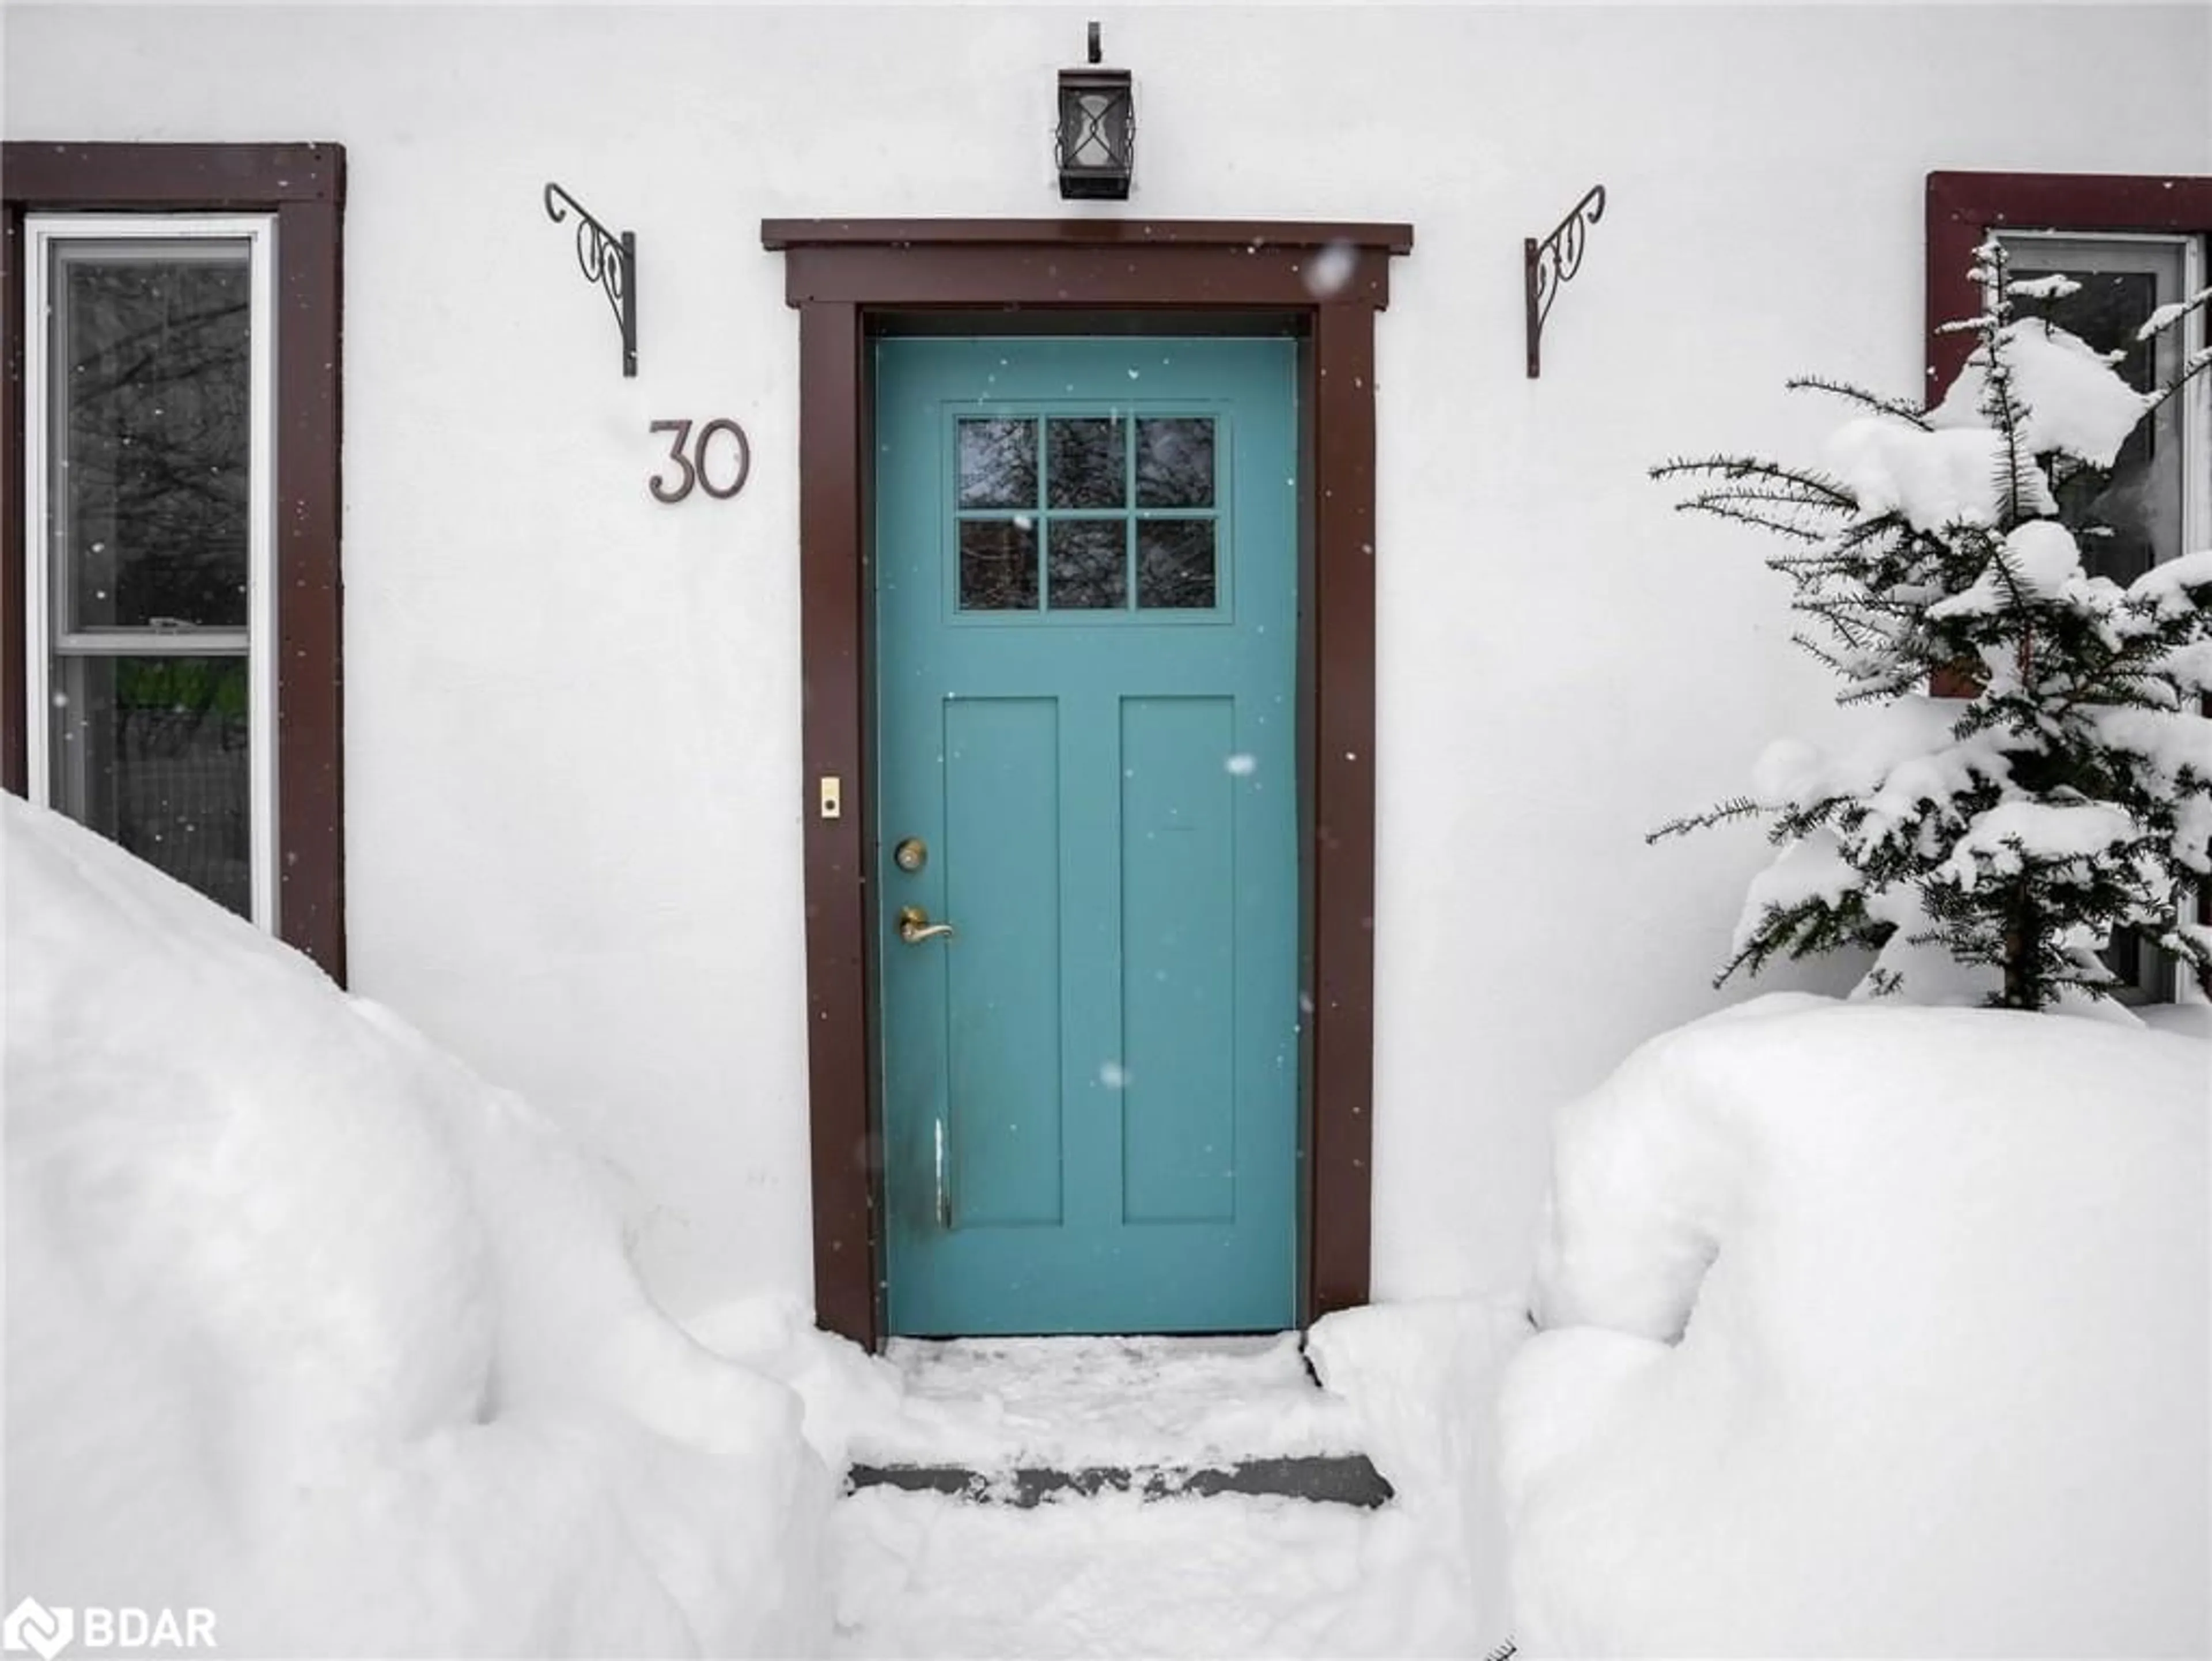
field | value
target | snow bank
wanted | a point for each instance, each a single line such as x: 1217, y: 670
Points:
x: 845, y: 1392
x: 308, y: 1327
x: 1422, y: 1380
x: 1873, y: 1330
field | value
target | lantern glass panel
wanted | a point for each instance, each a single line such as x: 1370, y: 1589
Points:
x: 1094, y: 122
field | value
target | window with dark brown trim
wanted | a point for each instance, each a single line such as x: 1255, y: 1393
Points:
x: 187, y: 301
x: 1964, y: 207
x: 2136, y: 241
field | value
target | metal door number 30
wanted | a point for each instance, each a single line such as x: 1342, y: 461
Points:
x: 697, y: 459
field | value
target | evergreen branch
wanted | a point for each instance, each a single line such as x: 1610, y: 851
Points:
x: 1860, y: 396
x: 1996, y: 390
x: 1721, y: 507
x: 1733, y: 467
x: 2194, y: 365
x: 1779, y: 497
x: 1866, y: 530
x: 1806, y: 641
x: 2166, y: 316
x: 1739, y: 807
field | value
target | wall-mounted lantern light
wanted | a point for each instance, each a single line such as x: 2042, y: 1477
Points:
x: 1096, y: 145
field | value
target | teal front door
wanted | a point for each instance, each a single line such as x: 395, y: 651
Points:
x: 1086, y: 801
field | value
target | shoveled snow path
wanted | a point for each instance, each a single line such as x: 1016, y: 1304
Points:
x: 1115, y: 1574
x: 920, y: 1575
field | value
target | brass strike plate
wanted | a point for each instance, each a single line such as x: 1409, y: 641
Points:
x: 833, y: 796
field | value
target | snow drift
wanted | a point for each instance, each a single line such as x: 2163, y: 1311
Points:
x: 309, y: 1326
x: 1873, y: 1330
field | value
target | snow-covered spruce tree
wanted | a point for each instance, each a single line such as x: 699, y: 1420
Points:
x: 2013, y: 830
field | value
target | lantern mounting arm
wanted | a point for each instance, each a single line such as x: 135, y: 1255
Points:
x: 1548, y: 264
x: 608, y: 260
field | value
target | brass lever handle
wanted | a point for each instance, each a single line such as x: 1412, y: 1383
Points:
x: 915, y: 926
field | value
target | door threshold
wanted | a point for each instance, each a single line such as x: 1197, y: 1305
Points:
x: 1018, y: 1420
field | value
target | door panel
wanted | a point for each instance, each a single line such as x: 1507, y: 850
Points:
x: 1178, y: 974
x: 1085, y: 614
x: 1003, y: 987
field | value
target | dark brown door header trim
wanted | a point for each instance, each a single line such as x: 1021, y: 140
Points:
x: 1053, y: 265
x: 1254, y: 234
x: 839, y: 276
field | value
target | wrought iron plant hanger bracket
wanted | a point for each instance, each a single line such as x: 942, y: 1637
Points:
x: 1546, y: 264
x: 608, y: 261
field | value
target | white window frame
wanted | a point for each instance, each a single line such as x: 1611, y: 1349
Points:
x: 41, y: 233
x: 2063, y: 250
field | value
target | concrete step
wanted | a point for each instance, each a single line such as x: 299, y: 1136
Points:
x: 1015, y: 1421
x: 1336, y: 1479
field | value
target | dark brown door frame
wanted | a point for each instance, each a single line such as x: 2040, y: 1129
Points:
x: 1327, y: 283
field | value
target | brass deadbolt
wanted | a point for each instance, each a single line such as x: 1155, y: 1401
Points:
x: 911, y: 855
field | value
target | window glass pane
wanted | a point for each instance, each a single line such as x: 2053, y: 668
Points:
x: 2142, y: 498
x: 998, y: 463
x: 1084, y: 468
x: 2121, y: 284
x: 149, y: 440
x: 1088, y: 563
x: 1175, y: 564
x: 2145, y: 973
x: 998, y: 565
x: 1174, y: 462
x: 152, y: 753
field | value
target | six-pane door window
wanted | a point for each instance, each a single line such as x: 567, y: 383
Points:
x: 1121, y: 506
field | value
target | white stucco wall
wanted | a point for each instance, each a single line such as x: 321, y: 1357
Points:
x: 573, y: 767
